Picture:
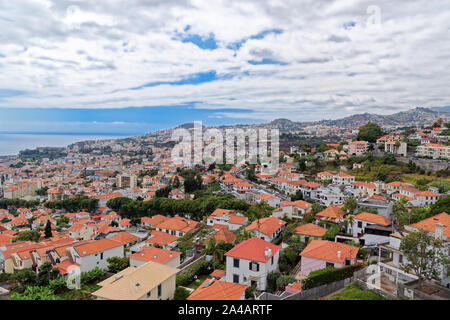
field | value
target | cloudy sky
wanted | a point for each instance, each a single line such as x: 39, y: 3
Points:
x: 139, y: 65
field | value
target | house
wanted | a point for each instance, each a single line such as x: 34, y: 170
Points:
x: 433, y: 150
x: 82, y: 231
x: 163, y: 239
x: 325, y: 176
x: 320, y: 254
x: 212, y: 289
x: 370, y: 229
x: 358, y: 148
x: 95, y: 253
x: 343, y: 179
x: 177, y: 226
x: 227, y: 218
x: 364, y: 219
x: 224, y: 235
x: 332, y: 214
x: 126, y: 239
x: 437, y: 226
x: 147, y: 253
x: 150, y: 281
x: 310, y: 231
x: 176, y: 194
x: 271, y: 200
x: 361, y: 189
x: 266, y: 228
x: 293, y: 209
x: 125, y: 224
x: 250, y: 261
x: 151, y: 222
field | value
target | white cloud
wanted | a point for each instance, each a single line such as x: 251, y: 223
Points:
x: 89, y: 54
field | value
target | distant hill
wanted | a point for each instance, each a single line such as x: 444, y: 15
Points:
x: 412, y: 117
x: 417, y: 116
x: 441, y: 109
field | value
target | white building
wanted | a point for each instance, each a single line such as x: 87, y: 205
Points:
x: 250, y: 261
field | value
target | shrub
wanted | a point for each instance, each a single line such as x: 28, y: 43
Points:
x: 186, y: 277
x: 93, y: 275
x: 181, y: 294
x: 57, y: 285
x: 272, y: 281
x: 283, y: 281
x: 328, y: 275
x: 250, y: 292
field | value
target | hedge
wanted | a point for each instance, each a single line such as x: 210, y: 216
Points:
x: 328, y: 275
x: 186, y: 277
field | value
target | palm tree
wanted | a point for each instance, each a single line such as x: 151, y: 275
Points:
x: 214, y: 250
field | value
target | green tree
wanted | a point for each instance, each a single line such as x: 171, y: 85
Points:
x: 213, y: 249
x: 349, y: 205
x: 181, y: 294
x: 117, y: 264
x: 425, y: 255
x: 370, y: 132
x: 46, y: 273
x: 31, y: 235
x: 48, y: 230
x: 35, y: 293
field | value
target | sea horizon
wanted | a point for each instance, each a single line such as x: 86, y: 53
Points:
x: 11, y: 143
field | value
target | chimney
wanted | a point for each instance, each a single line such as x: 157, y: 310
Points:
x: 154, y: 257
x: 339, y: 254
x: 439, y: 231
x: 170, y: 254
x: 137, y: 286
x: 267, y: 252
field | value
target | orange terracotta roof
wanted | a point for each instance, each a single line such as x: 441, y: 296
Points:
x: 96, y: 246
x: 155, y: 254
x: 311, y: 229
x: 178, y: 223
x: 332, y: 212
x: 430, y: 223
x: 373, y: 217
x: 328, y: 250
x: 124, y: 237
x: 267, y: 226
x: 223, y: 235
x: 161, y: 238
x: 218, y: 290
x: 253, y: 249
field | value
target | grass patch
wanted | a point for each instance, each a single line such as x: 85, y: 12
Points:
x: 194, y: 285
x: 423, y: 180
x: 355, y: 292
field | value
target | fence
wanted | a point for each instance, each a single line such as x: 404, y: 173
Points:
x: 318, y: 292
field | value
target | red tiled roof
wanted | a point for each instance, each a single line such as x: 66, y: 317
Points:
x: 311, y: 229
x: 328, y: 250
x: 373, y: 217
x: 253, y: 249
x: 267, y: 226
x: 218, y: 290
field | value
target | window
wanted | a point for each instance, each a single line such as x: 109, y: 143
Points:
x: 253, y: 266
x: 330, y: 264
x: 236, y: 263
x: 359, y: 224
x: 400, y: 258
x: 101, y: 256
x: 159, y: 290
x: 149, y: 294
x: 235, y: 278
x: 271, y: 261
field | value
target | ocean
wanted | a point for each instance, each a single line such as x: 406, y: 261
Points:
x: 12, y: 143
